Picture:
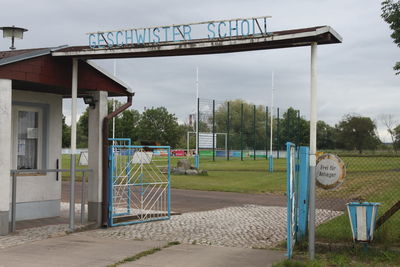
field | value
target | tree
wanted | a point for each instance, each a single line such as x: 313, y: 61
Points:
x: 235, y: 127
x: 389, y: 122
x: 396, y: 143
x: 82, y: 130
x: 325, y: 136
x: 293, y: 129
x: 391, y: 14
x: 66, y: 134
x: 126, y: 125
x: 356, y: 132
x: 158, y: 125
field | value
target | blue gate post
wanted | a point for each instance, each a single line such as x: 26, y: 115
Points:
x: 110, y: 183
x: 271, y: 163
x: 303, y: 192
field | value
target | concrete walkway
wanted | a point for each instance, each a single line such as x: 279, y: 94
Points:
x: 82, y: 250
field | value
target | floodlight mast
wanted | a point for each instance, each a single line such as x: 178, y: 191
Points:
x: 13, y: 32
x: 197, y: 117
x: 272, y: 114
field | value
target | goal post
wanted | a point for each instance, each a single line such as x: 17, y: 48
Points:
x: 206, y: 141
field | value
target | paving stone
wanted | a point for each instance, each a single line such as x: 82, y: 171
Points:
x: 249, y: 226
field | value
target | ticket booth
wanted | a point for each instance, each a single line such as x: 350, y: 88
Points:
x: 33, y: 84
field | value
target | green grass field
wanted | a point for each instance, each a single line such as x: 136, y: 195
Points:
x: 248, y: 176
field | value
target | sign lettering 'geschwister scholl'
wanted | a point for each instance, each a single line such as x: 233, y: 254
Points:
x: 247, y: 27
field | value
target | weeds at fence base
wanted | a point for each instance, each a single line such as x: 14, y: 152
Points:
x: 344, y: 255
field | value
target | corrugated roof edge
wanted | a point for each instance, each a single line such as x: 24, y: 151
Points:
x: 29, y: 55
x: 109, y: 75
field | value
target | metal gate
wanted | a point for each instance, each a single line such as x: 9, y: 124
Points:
x: 139, y: 189
x: 292, y: 184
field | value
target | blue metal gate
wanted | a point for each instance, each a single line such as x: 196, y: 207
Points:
x: 139, y: 184
x: 297, y: 173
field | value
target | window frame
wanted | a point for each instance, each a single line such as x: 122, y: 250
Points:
x: 16, y: 110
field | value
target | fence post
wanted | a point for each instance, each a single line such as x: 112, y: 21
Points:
x: 197, y: 158
x: 14, y: 202
x: 277, y: 134
x: 241, y: 132
x: 288, y: 132
x: 298, y: 128
x: 254, y: 130
x: 228, y: 128
x: 213, y: 130
x: 83, y: 197
x: 266, y: 132
x: 303, y: 192
x: 72, y: 194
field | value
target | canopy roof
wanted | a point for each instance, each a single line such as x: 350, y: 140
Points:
x: 279, y: 39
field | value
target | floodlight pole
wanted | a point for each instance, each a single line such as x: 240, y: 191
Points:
x: 213, y: 131
x: 313, y: 150
x: 272, y: 123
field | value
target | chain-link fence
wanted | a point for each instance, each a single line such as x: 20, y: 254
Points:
x: 240, y: 130
x: 369, y: 178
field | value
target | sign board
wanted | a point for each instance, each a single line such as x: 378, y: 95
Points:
x: 140, y: 157
x: 208, y: 30
x: 206, y: 140
x: 84, y: 158
x: 330, y: 171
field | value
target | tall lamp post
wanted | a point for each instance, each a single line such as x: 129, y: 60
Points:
x: 13, y: 32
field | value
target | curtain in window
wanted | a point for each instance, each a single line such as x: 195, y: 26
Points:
x: 27, y: 140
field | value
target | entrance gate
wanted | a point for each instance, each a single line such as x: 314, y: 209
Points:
x: 297, y: 173
x: 139, y: 184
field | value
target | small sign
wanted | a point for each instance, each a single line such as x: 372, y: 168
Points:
x: 21, y: 147
x: 32, y: 133
x: 84, y: 158
x: 206, y: 140
x: 142, y: 157
x: 330, y: 171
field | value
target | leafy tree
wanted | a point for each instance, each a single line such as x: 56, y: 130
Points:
x: 396, y: 142
x: 82, y: 130
x: 158, y: 125
x: 391, y: 14
x: 356, y: 132
x: 325, y: 136
x: 293, y: 129
x: 221, y: 118
x: 66, y: 134
x: 183, y: 130
x: 389, y: 122
x: 126, y: 125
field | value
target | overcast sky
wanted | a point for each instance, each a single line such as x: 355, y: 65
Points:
x: 353, y: 77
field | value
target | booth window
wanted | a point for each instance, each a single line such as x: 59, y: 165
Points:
x: 28, y: 137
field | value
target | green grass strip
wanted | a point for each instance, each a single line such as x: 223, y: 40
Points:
x: 143, y: 254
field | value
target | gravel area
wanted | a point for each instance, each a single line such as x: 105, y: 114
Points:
x: 249, y: 226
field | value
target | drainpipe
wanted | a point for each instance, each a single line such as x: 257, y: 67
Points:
x: 104, y: 210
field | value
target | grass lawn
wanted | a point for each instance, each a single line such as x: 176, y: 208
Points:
x: 355, y: 256
x: 233, y: 181
x: 247, y: 176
